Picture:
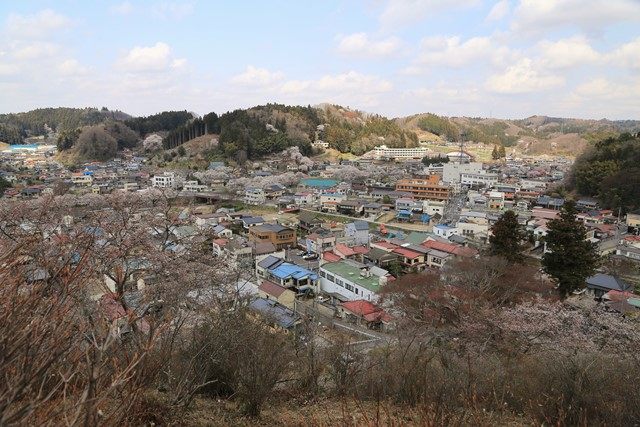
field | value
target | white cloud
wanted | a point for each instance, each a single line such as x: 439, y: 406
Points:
x: 334, y: 84
x: 602, y: 88
x: 35, y: 50
x: 7, y: 69
x: 359, y: 44
x: 149, y: 58
x: 36, y: 25
x: 453, y: 52
x: 567, y: 52
x: 124, y: 8
x: 523, y: 77
x: 402, y: 12
x: 71, y: 67
x: 499, y: 11
x: 538, y: 16
x: 627, y: 55
x: 254, y: 77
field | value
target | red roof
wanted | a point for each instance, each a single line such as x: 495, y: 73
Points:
x: 272, y: 288
x: 330, y: 256
x: 345, y: 250
x: 449, y: 248
x: 366, y: 310
x: 386, y: 245
x: 360, y: 249
x: 407, y: 253
x: 220, y: 242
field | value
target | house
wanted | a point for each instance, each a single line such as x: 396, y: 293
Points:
x: 255, y: 196
x: 273, y: 291
x: 436, y: 258
x: 364, y: 312
x: 329, y: 201
x: 309, y: 220
x: 303, y: 198
x: 633, y: 220
x: 166, y: 180
x: 444, y: 230
x: 350, y: 207
x: 320, y: 242
x: 380, y: 257
x: 251, y: 221
x: 193, y: 186
x: 221, y: 231
x: 349, y: 280
x: 411, y: 261
x: 599, y: 284
x: 81, y: 179
x: 286, y: 274
x: 282, y: 316
x: 281, y: 236
x: 629, y: 247
x: 496, y: 200
x: 372, y: 209
x: 407, y: 204
x: 357, y: 232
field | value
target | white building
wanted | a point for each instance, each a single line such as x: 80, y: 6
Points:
x: 166, y: 180
x: 382, y: 152
x: 481, y: 179
x: 194, y: 186
x: 433, y: 207
x: 81, y: 179
x: 255, y: 196
x: 352, y: 280
x: 451, y: 172
x: 444, y: 230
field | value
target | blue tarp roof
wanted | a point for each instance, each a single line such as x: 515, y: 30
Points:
x: 280, y: 314
x: 286, y: 270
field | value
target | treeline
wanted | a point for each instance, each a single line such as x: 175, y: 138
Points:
x: 360, y: 136
x: 610, y: 172
x: 35, y: 122
x: 165, y: 121
x: 193, y: 129
x: 11, y: 134
x: 440, y: 126
x: 488, y: 133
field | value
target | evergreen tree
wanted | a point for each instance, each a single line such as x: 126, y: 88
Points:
x: 572, y: 258
x: 507, y: 238
x: 494, y: 154
x: 502, y: 153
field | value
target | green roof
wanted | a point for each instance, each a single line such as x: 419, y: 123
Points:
x: 352, y: 274
x: 415, y: 237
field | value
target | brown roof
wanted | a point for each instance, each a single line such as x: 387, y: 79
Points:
x: 271, y: 288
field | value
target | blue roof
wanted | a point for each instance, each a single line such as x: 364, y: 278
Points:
x: 444, y: 227
x: 287, y: 270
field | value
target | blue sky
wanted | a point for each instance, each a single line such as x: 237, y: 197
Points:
x: 501, y: 58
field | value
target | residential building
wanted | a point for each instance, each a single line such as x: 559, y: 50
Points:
x: 482, y: 179
x: 411, y: 261
x: 444, y: 230
x: 599, y: 284
x: 424, y: 189
x: 433, y: 207
x: 349, y: 280
x: 286, y: 274
x: 452, y: 172
x: 166, y: 180
x: 81, y: 179
x: 194, y: 186
x: 357, y: 232
x: 633, y: 220
x: 255, y: 196
x: 281, y: 237
x: 275, y: 292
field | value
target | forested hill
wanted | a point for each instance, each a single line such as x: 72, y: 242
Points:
x: 14, y: 127
x: 610, y: 171
x: 534, y: 135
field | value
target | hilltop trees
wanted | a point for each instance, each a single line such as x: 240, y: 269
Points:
x: 507, y: 238
x: 95, y: 143
x: 571, y: 257
x: 609, y: 171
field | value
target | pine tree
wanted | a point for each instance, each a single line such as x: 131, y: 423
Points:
x: 572, y: 258
x: 507, y: 239
x: 494, y: 154
x: 502, y: 153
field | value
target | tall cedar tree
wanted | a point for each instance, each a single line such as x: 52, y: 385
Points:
x: 507, y: 238
x: 571, y: 257
x: 495, y: 155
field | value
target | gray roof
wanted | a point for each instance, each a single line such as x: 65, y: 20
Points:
x: 361, y: 225
x: 606, y: 281
x: 253, y: 220
x: 270, y: 262
x: 281, y: 315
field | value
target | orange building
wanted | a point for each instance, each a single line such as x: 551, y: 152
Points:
x: 281, y: 237
x: 424, y: 189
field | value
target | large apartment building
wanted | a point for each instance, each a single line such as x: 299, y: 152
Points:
x: 383, y: 152
x: 424, y: 189
x: 281, y: 237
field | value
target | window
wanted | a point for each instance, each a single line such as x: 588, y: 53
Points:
x: 356, y: 290
x: 322, y: 273
x: 330, y: 278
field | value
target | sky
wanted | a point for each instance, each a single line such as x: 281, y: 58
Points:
x: 480, y: 58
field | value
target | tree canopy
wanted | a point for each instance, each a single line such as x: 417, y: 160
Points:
x: 507, y: 239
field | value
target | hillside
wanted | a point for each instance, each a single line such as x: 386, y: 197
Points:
x: 534, y: 135
x: 14, y: 127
